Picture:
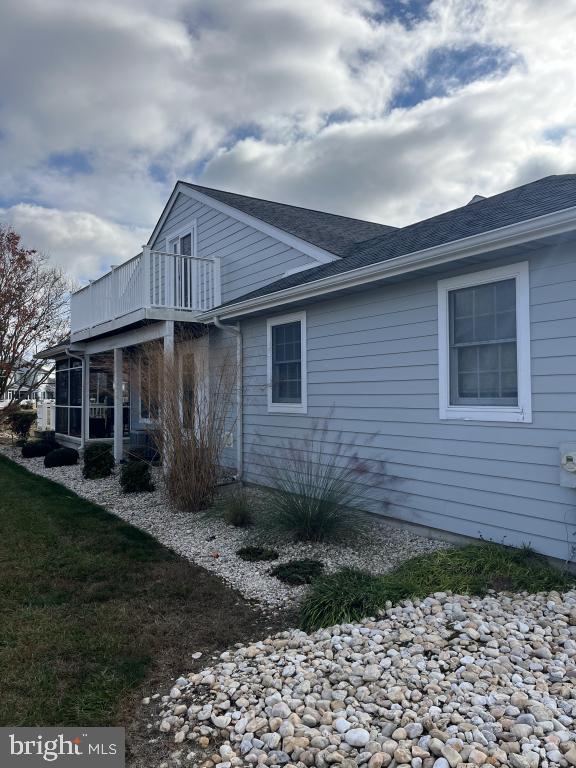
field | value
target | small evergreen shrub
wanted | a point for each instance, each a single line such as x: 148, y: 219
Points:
x: 135, y: 477
x: 257, y: 553
x: 298, y: 571
x: 235, y: 508
x: 61, y: 457
x: 98, y: 461
x: 37, y: 448
x: 20, y: 423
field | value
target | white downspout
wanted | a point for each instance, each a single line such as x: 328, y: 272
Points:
x: 235, y: 329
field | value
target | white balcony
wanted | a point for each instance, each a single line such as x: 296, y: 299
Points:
x: 152, y: 285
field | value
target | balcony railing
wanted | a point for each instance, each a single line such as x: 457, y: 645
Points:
x: 151, y: 280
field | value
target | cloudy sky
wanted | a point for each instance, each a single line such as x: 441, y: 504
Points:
x: 389, y: 110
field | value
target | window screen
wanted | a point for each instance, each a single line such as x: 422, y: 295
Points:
x: 287, y: 363
x: 483, y: 368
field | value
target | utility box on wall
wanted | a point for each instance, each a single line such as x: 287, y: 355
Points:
x: 568, y: 465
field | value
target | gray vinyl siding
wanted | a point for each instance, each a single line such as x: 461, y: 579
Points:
x: 373, y: 369
x: 222, y: 362
x: 249, y: 258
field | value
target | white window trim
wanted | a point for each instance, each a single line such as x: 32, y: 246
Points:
x: 523, y: 411
x: 301, y: 407
x: 190, y: 229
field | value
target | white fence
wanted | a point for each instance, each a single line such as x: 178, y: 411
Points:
x: 152, y: 279
x: 46, y: 416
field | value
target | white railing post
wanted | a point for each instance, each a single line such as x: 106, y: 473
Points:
x: 146, y: 276
x: 216, y: 285
x: 170, y: 280
x: 114, y: 290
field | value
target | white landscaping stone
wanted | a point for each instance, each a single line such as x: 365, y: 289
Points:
x: 380, y: 548
x: 426, y: 709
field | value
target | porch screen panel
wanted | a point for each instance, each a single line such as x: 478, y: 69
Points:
x: 69, y: 397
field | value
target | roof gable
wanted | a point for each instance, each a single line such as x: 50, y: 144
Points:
x: 334, y: 233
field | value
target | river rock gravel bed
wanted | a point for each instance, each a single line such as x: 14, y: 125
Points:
x: 445, y: 682
x: 207, y: 541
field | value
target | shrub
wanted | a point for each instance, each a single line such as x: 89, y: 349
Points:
x: 235, y: 508
x: 298, y: 571
x: 257, y: 553
x: 351, y: 595
x: 135, y: 477
x: 37, y: 448
x: 316, y: 485
x: 20, y: 423
x: 98, y: 461
x: 61, y: 457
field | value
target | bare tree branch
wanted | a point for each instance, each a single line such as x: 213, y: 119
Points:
x: 33, y: 310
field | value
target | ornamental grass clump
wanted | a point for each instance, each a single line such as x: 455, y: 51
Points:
x: 235, y: 508
x: 188, y: 401
x: 317, y: 485
x: 352, y: 595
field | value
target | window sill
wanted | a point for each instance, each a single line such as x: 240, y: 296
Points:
x: 486, y: 413
x: 287, y: 408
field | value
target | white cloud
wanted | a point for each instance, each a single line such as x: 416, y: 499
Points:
x: 80, y: 242
x: 241, y: 95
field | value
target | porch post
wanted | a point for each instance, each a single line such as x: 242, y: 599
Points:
x: 118, y: 415
x: 168, y: 371
x: 85, y: 400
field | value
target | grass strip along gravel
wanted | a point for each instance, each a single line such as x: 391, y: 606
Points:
x: 93, y: 609
x: 351, y: 595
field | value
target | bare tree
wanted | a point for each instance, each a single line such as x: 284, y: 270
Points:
x: 33, y: 313
x: 190, y: 402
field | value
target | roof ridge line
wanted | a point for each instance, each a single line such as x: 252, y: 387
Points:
x: 287, y: 205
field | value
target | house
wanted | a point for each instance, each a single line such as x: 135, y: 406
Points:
x: 446, y: 348
x: 29, y: 385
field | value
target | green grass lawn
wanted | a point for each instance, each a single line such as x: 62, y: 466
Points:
x: 89, y: 605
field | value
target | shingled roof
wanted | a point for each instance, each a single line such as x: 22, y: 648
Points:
x: 547, y: 195
x: 333, y: 233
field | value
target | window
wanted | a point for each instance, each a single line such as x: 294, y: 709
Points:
x: 287, y: 364
x: 184, y: 243
x: 484, y: 345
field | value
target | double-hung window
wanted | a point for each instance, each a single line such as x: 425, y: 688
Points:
x: 484, y: 345
x: 287, y: 364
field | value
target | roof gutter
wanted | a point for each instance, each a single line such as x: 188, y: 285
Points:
x: 550, y: 224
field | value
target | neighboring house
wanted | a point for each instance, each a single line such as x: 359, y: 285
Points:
x: 445, y: 349
x: 29, y: 386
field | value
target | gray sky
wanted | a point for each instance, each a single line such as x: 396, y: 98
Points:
x: 390, y: 111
